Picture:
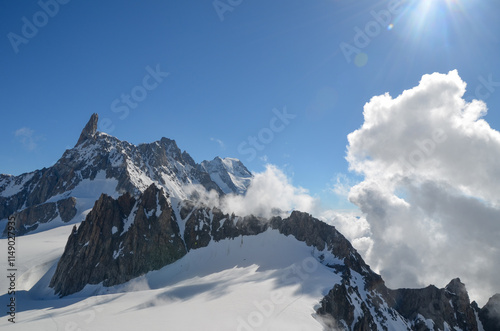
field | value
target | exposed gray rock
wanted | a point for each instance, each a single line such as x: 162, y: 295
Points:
x: 119, y: 240
x: 67, y: 209
x: 29, y: 218
x: 89, y: 130
x: 490, y: 314
x: 449, y: 305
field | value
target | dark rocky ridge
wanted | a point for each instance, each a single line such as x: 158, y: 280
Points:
x: 450, y: 304
x: 98, y: 251
x: 447, y: 307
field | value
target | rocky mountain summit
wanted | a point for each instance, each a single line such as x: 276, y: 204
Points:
x: 100, y: 163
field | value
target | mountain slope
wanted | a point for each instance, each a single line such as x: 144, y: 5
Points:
x: 100, y: 163
x: 124, y: 238
x: 265, y: 282
x: 229, y: 174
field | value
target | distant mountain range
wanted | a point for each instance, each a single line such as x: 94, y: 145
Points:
x: 138, y: 209
x: 100, y: 163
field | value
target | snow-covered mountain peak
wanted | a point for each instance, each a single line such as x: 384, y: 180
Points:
x: 100, y: 163
x: 229, y: 173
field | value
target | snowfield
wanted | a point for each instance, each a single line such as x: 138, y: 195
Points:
x: 264, y: 282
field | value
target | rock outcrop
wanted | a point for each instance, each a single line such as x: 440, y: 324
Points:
x: 30, y: 218
x: 490, y: 314
x: 89, y: 130
x: 119, y: 240
x: 67, y: 208
x: 449, y: 305
x: 353, y: 307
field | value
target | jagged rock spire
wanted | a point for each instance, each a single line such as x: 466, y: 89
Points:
x: 89, y: 130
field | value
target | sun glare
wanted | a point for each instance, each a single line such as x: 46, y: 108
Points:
x: 434, y: 18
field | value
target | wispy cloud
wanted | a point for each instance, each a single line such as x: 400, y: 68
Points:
x: 220, y: 142
x: 27, y: 138
x: 341, y: 185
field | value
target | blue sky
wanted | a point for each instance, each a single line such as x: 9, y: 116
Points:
x: 228, y: 68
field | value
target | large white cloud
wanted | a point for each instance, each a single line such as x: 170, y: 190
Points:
x: 430, y: 193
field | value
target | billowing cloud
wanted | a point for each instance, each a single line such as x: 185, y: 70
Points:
x: 352, y: 224
x: 431, y: 168
x: 270, y: 192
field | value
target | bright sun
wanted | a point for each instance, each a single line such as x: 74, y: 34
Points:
x: 428, y: 14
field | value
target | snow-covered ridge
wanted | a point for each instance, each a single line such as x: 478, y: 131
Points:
x: 219, y: 284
